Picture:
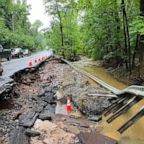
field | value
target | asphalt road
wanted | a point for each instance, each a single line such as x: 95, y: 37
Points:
x: 10, y: 67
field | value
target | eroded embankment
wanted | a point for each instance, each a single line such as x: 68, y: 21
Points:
x: 135, y: 133
x: 81, y: 91
x: 33, y: 105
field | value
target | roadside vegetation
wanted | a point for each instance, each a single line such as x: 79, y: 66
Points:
x: 101, y: 29
x: 15, y: 28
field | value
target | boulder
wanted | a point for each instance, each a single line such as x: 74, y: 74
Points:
x: 31, y: 133
x: 28, y: 120
x: 18, y: 136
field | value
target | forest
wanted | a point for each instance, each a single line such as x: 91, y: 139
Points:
x: 15, y: 27
x: 100, y: 29
x: 109, y: 30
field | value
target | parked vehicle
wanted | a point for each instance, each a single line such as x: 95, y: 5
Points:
x: 5, y: 53
x: 26, y: 52
x: 17, y: 52
x: 1, y: 69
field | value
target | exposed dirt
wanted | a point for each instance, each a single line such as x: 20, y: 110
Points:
x: 122, y: 75
x: 79, y: 89
x: 28, y: 87
x: 118, y: 72
x: 38, y: 91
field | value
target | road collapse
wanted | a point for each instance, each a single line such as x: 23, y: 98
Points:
x: 35, y: 111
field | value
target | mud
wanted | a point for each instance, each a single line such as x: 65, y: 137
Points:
x: 44, y: 92
x: 79, y: 89
x: 25, y: 93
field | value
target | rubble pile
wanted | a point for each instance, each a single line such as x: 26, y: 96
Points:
x: 33, y: 97
x: 79, y: 89
x: 31, y: 114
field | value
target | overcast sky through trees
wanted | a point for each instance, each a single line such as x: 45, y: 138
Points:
x: 38, y: 12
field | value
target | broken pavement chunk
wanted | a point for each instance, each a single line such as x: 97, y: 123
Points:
x: 32, y: 133
x: 18, y: 136
x: 28, y: 120
x: 95, y: 118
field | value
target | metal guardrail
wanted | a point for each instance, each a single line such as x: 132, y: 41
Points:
x: 102, y: 83
x: 126, y: 99
x: 134, y: 89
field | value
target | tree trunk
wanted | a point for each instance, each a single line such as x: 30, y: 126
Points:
x: 127, y: 38
x: 141, y: 43
x: 61, y: 29
x: 117, y: 20
x: 135, y: 50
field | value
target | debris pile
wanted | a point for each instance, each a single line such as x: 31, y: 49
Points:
x: 32, y: 116
x: 79, y: 89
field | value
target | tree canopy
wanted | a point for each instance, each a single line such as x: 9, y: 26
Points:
x: 15, y: 28
x: 98, y: 28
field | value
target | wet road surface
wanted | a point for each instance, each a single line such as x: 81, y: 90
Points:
x: 15, y: 65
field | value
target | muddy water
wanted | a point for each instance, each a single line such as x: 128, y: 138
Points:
x: 133, y: 135
x: 101, y: 73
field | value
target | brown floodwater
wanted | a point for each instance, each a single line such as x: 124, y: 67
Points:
x: 134, y: 134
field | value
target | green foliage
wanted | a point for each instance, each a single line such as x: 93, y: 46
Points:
x: 64, y: 36
x: 15, y: 27
x: 96, y: 28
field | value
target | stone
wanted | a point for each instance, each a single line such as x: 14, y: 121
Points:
x: 95, y: 118
x: 45, y: 116
x: 16, y: 116
x: 28, y: 120
x: 18, y: 136
x: 72, y: 129
x: 49, y: 98
x: 31, y: 133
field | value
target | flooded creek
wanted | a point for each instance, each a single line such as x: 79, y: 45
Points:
x: 134, y: 134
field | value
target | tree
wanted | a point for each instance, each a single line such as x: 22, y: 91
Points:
x: 98, y: 29
x: 64, y: 32
x: 141, y: 40
x: 15, y: 26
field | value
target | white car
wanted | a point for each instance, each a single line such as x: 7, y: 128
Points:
x: 17, y: 53
x: 26, y: 52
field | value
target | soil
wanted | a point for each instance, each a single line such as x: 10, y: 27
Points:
x: 26, y: 89
x: 79, y: 89
x: 39, y: 93
x: 118, y: 72
x: 122, y: 75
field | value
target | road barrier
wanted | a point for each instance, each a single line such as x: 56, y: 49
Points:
x: 68, y: 106
x: 30, y: 64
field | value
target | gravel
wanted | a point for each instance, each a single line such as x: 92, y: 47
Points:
x: 32, y: 92
x: 36, y: 93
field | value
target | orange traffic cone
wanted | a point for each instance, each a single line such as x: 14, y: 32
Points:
x: 30, y: 63
x: 36, y: 61
x: 68, y: 107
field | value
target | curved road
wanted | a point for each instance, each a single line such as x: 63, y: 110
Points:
x: 10, y: 67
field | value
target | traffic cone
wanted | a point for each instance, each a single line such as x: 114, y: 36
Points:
x: 36, y: 61
x: 68, y: 107
x: 30, y: 63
